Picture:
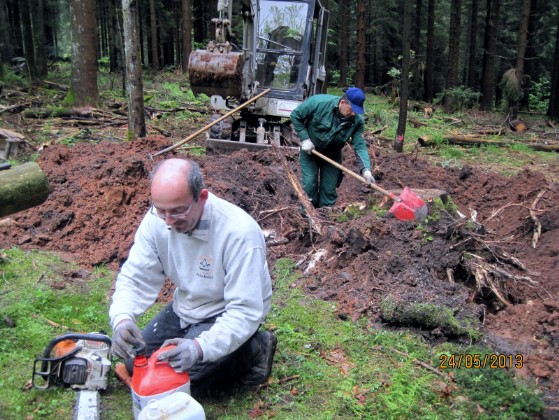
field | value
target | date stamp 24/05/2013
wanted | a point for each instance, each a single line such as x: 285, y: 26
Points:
x: 481, y: 361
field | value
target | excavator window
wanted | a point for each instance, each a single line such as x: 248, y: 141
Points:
x: 280, y: 37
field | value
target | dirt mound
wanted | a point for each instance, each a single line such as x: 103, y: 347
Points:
x: 490, y: 265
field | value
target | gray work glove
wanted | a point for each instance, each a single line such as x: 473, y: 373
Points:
x: 182, y: 357
x: 368, y: 176
x: 126, y: 337
x: 307, y: 146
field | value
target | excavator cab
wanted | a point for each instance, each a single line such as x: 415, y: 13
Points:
x: 283, y: 48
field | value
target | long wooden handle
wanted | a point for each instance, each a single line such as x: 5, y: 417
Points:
x: 358, y: 177
x: 200, y: 131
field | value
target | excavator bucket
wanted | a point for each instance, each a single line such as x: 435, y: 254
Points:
x: 215, y: 72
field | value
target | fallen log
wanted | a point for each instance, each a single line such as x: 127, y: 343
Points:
x: 22, y: 187
x: 63, y: 88
x: 473, y: 140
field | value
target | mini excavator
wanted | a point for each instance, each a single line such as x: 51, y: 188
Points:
x: 283, y: 49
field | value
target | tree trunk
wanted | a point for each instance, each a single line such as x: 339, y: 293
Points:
x: 416, y: 44
x: 83, y: 90
x: 177, y: 15
x: 6, y: 47
x: 430, y: 53
x: 186, y: 34
x: 22, y: 187
x: 344, y: 42
x: 116, y: 53
x: 398, y: 144
x: 134, y: 83
x: 416, y: 89
x: 472, y: 59
x: 523, y: 36
x: 453, y: 51
x: 52, y: 13
x: 553, y: 109
x: 153, y: 35
x: 38, y: 22
x: 490, y: 48
x: 361, y: 47
x: 197, y: 22
x: 514, y: 105
x: 102, y: 29
x: 27, y: 39
x: 143, y: 33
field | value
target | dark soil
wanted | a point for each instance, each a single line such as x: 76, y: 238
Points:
x: 99, y: 193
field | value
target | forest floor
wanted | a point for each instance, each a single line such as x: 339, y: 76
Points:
x: 488, y: 264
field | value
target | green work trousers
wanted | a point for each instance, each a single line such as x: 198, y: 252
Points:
x: 320, y: 179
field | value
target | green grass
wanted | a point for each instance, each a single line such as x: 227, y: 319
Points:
x: 324, y: 368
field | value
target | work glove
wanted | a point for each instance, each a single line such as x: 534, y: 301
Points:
x: 182, y: 357
x: 126, y: 337
x: 368, y: 176
x: 307, y: 146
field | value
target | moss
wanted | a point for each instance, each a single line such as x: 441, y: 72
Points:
x: 428, y: 316
x: 441, y: 205
x: 70, y: 98
x: 351, y: 212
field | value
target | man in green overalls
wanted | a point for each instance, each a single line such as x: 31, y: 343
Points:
x: 326, y: 123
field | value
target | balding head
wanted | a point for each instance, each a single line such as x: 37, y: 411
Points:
x: 178, y: 194
x: 178, y: 175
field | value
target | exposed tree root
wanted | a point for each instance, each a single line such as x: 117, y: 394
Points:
x: 491, y: 276
x: 487, y: 263
x: 537, y: 224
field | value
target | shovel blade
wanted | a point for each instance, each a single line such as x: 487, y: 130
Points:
x: 410, y: 207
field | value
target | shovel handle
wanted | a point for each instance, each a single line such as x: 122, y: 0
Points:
x: 356, y: 176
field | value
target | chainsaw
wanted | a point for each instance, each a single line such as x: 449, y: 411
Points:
x: 78, y: 361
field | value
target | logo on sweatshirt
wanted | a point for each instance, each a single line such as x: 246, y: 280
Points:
x: 205, y: 267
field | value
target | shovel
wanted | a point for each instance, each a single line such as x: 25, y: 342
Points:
x: 409, y: 206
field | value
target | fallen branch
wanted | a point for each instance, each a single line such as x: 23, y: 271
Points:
x: 280, y: 381
x: 497, y: 212
x: 423, y: 364
x: 155, y: 111
x: 489, y: 131
x: 63, y: 88
x: 270, y: 212
x: 48, y: 321
x: 93, y: 122
x: 15, y: 108
x: 277, y: 242
x: 86, y: 113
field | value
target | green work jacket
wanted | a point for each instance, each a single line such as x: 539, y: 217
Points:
x: 318, y: 119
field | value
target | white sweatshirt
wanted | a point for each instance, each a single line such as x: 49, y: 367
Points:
x: 220, y: 268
